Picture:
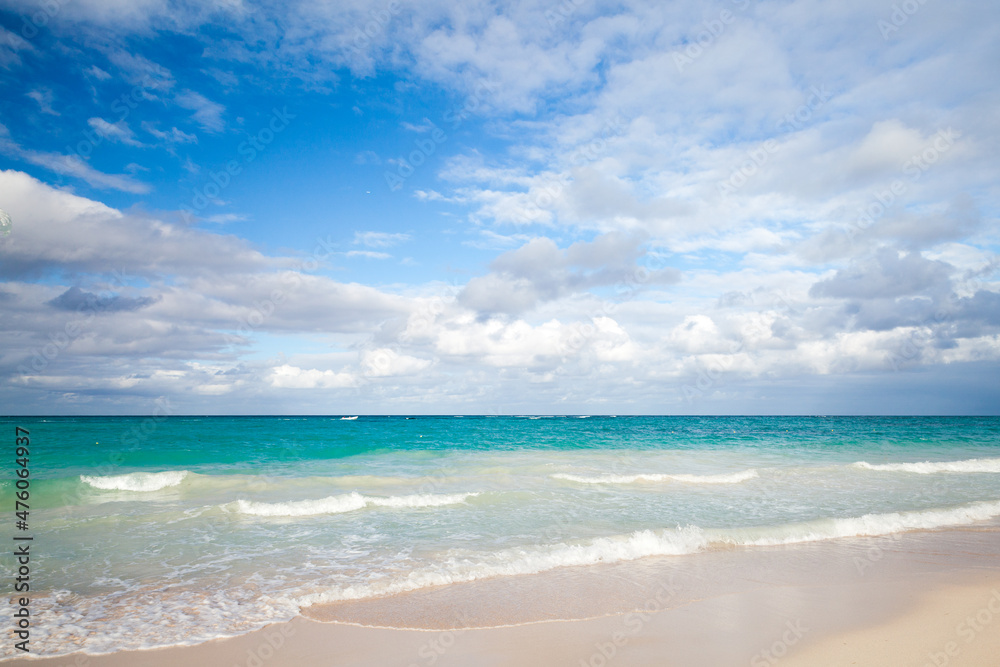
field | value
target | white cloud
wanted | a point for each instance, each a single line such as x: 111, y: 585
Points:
x: 97, y: 73
x: 61, y: 229
x: 11, y: 46
x: 386, y: 362
x: 368, y: 254
x: 292, y: 377
x: 44, y: 97
x: 601, y: 133
x: 118, y: 132
x: 142, y: 72
x: 69, y: 165
x: 173, y: 136
x: 207, y: 113
x: 540, y: 271
x: 367, y: 157
x: 380, y: 239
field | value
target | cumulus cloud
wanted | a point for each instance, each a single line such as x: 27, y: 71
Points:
x: 888, y: 274
x: 292, y: 377
x: 60, y: 230
x: 540, y: 271
x: 620, y: 168
x: 386, y: 362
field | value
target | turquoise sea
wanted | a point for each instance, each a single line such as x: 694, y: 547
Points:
x: 155, y: 531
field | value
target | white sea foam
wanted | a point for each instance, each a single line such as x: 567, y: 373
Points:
x: 136, y: 481
x: 869, y: 525
x: 729, y: 478
x: 640, y: 544
x: 929, y: 467
x: 150, y: 617
x: 347, y: 503
x: 523, y: 561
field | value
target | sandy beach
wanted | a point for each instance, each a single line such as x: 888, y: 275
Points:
x: 496, y: 333
x: 924, y: 598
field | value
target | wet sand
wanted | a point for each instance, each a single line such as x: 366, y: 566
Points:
x: 920, y: 598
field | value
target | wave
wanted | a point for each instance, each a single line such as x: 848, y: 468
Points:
x: 518, y: 562
x: 929, y: 467
x: 641, y: 544
x: 868, y: 525
x: 347, y: 503
x: 729, y: 478
x: 136, y: 481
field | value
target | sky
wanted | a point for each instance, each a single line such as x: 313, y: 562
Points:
x: 576, y: 207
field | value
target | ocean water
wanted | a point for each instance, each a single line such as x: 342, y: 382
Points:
x: 155, y: 532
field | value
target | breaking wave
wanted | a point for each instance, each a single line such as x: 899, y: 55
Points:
x: 347, y: 503
x: 730, y: 478
x: 929, y: 467
x: 136, y: 481
x: 640, y: 544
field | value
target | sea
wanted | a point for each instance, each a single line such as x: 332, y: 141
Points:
x: 158, y: 531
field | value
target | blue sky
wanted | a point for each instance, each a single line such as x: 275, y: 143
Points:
x: 586, y: 207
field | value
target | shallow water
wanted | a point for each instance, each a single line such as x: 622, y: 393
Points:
x: 178, y: 530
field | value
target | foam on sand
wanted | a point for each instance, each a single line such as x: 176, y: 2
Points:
x: 644, y: 543
x: 347, y: 503
x: 868, y: 525
x: 729, y: 478
x: 136, y: 481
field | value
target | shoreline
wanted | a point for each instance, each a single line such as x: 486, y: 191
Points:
x: 855, y: 598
